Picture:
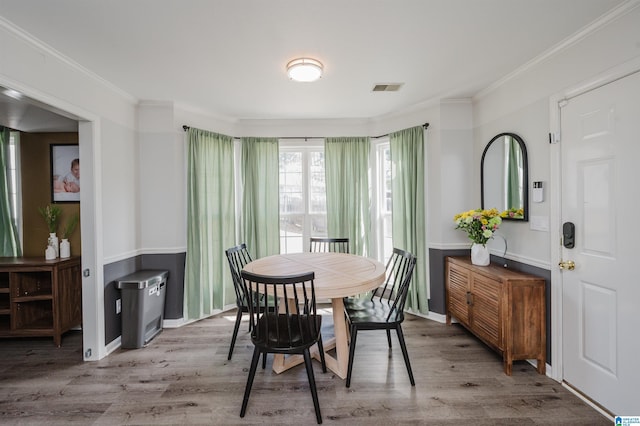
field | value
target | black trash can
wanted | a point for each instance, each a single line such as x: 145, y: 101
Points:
x: 143, y: 295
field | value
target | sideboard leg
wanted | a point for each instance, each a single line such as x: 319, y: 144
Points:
x: 508, y: 366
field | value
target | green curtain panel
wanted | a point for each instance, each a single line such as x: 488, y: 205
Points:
x: 9, y: 243
x: 210, y: 222
x: 347, y: 183
x: 514, y: 166
x: 260, y: 204
x: 408, y: 216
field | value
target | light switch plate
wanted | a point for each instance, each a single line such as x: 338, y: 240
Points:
x: 539, y: 223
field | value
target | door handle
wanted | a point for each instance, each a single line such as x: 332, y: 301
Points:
x: 567, y: 264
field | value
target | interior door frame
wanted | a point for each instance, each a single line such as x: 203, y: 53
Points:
x: 556, y: 102
x: 93, y: 333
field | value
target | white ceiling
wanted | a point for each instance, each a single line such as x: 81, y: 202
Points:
x: 227, y: 58
x: 27, y: 115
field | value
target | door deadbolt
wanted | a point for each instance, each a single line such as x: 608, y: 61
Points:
x: 569, y: 235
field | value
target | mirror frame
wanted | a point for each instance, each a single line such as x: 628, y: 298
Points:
x: 525, y: 183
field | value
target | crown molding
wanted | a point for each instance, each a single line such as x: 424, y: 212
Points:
x: 188, y: 108
x: 586, y: 31
x: 45, y: 48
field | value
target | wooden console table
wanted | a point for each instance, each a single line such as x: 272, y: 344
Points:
x: 39, y: 297
x: 503, y: 308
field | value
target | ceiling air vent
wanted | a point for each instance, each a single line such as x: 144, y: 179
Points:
x: 389, y: 87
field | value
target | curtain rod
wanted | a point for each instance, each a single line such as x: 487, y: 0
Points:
x: 425, y: 126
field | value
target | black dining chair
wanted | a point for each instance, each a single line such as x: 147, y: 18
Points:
x: 284, y: 322
x: 383, y: 309
x: 325, y: 245
x: 238, y: 257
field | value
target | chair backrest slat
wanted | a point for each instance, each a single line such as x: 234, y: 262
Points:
x: 288, y: 319
x: 238, y: 257
x: 393, y: 292
x: 326, y: 245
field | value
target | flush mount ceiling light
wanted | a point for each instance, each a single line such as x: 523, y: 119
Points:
x: 304, y: 69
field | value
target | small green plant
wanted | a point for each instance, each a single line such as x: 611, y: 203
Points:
x: 51, y: 214
x: 70, y: 226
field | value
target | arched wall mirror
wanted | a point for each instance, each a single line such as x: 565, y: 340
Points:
x: 504, y: 176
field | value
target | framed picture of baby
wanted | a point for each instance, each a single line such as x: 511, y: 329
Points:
x: 65, y: 173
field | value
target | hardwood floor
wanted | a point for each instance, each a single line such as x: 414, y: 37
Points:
x: 183, y: 377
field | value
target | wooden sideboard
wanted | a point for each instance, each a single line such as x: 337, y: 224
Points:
x: 39, y: 297
x: 503, y: 308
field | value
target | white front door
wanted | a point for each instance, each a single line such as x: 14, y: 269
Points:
x: 600, y: 151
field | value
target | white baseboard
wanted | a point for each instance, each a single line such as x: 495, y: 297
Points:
x: 430, y: 315
x: 114, y: 345
x: 174, y: 323
x: 437, y: 317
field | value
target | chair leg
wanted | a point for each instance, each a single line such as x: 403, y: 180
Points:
x: 389, y: 337
x: 346, y: 318
x: 252, y: 373
x: 352, y: 351
x: 312, y: 384
x: 264, y: 360
x: 405, y: 354
x: 235, y: 332
x: 321, y: 350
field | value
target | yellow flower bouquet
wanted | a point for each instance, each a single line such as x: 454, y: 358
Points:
x: 513, y: 213
x: 479, y: 224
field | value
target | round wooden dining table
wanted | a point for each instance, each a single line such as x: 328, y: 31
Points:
x: 337, y: 275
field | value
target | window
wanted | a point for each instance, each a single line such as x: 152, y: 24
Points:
x: 13, y: 176
x: 303, y: 198
x: 382, y: 221
x: 303, y: 212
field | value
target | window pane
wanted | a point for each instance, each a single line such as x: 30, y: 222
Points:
x: 318, y: 225
x: 291, y: 190
x: 387, y: 237
x: 302, y: 197
x: 386, y: 167
x: 12, y: 154
x: 317, y: 194
x: 291, y: 225
x: 291, y: 230
x: 291, y: 203
x: 14, y: 181
x: 381, y: 216
x: 290, y: 162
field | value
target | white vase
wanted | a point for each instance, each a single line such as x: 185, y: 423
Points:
x: 480, y: 254
x: 49, y: 253
x: 53, y: 242
x: 65, y: 249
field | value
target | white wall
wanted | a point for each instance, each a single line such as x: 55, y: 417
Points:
x: 451, y: 171
x: 520, y: 104
x: 530, y: 123
x: 161, y: 171
x: 108, y: 156
x: 578, y: 60
x: 119, y: 162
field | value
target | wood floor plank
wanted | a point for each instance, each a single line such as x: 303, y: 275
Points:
x: 183, y: 377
